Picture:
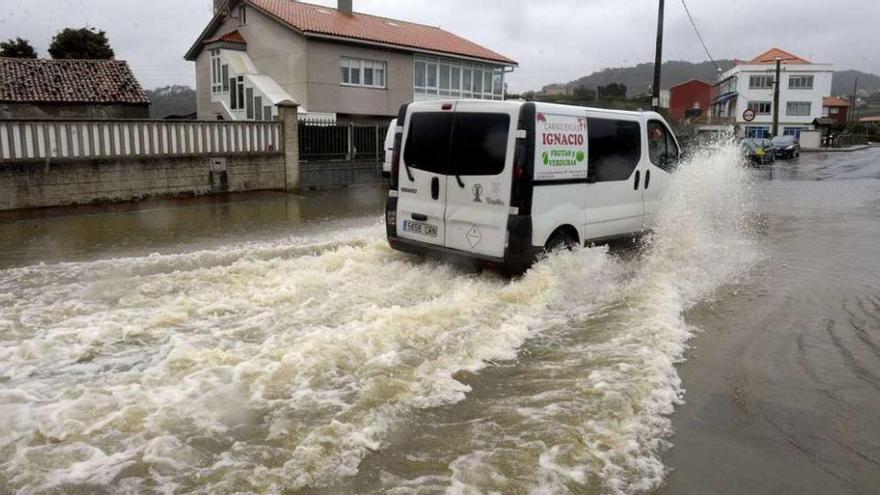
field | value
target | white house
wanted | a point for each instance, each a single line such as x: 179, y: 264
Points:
x: 749, y: 86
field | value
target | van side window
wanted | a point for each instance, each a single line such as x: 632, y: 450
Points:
x: 661, y: 146
x: 427, y: 142
x: 479, y: 143
x: 614, y: 149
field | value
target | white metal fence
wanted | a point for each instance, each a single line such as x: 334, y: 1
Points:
x: 45, y: 139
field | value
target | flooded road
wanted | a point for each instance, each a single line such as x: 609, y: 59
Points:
x: 277, y: 345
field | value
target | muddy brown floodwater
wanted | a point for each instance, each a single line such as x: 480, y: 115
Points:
x: 274, y: 343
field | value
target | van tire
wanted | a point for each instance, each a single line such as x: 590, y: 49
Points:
x: 561, y: 239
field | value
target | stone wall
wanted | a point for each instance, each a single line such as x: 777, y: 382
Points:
x: 73, y: 111
x: 31, y: 184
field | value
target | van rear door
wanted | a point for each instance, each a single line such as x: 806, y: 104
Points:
x: 421, y: 204
x: 478, y: 184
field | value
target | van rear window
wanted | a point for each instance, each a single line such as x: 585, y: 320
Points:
x: 479, y: 143
x: 614, y: 150
x: 427, y: 141
x: 463, y: 143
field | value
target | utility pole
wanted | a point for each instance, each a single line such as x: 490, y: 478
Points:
x: 852, y: 105
x: 776, y: 99
x: 658, y: 59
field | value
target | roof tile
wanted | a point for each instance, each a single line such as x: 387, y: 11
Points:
x: 69, y: 81
x: 315, y: 19
x: 770, y: 56
x: 834, y: 101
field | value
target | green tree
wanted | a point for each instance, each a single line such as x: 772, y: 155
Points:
x: 17, y: 48
x: 83, y: 43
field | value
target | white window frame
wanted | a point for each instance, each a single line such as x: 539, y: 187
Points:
x: 455, y: 87
x: 833, y: 110
x: 216, y: 72
x: 756, y: 107
x: 807, y: 81
x: 763, y: 77
x: 347, y: 64
x: 797, y: 105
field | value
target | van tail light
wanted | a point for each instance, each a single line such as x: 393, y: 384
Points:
x: 519, y: 173
x: 395, y: 160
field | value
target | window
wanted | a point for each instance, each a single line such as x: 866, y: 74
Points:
x: 798, y: 108
x: 466, y: 143
x: 792, y: 131
x: 249, y: 103
x: 760, y: 107
x: 420, y: 69
x: 427, y: 141
x: 216, y: 72
x: 479, y: 143
x: 800, y: 82
x: 833, y: 110
x: 240, y: 86
x: 432, y: 76
x: 360, y: 72
x: 242, y: 15
x: 368, y: 74
x: 233, y: 95
x: 662, y: 149
x: 614, y: 149
x: 760, y: 82
x: 757, y: 132
x: 444, y: 79
x: 447, y: 77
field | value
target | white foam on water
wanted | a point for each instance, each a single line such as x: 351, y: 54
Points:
x: 281, y: 365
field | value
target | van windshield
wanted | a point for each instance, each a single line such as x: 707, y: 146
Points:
x: 463, y: 143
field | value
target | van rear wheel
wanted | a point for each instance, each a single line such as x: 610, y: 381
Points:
x: 560, y: 240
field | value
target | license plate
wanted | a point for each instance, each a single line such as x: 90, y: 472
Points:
x: 420, y: 228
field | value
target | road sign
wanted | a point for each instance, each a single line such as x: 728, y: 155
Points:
x: 749, y: 115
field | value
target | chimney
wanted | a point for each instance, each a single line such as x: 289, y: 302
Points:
x: 218, y: 4
x: 345, y: 7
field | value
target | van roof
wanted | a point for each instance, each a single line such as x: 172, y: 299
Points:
x: 540, y: 106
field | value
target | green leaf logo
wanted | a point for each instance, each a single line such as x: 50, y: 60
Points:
x: 580, y: 156
x: 546, y: 158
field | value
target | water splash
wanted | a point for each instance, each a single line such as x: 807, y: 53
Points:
x: 288, y: 365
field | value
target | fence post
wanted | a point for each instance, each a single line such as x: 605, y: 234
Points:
x: 288, y: 110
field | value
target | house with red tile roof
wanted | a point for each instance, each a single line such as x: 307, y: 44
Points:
x: 744, y: 94
x: 38, y: 88
x: 837, y: 108
x: 335, y: 62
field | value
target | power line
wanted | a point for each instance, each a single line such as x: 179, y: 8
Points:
x: 699, y: 36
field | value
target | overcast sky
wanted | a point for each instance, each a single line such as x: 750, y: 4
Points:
x: 553, y: 40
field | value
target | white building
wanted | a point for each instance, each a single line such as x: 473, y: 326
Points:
x: 749, y: 86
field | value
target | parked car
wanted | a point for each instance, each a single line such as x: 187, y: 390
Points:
x: 758, y: 150
x: 786, y: 147
x: 501, y: 182
x: 389, y: 149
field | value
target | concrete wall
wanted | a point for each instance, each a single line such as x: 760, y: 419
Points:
x: 72, y: 111
x: 78, y: 181
x: 326, y: 93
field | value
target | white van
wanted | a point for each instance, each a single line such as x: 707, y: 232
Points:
x: 389, y: 149
x: 500, y: 182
